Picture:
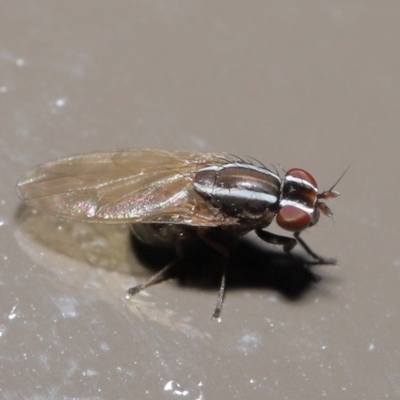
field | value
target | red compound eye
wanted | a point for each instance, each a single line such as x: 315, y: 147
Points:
x: 303, y: 175
x: 293, y: 218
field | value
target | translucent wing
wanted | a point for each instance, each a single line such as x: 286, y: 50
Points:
x: 124, y: 186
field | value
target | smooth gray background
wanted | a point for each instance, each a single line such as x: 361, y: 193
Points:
x: 306, y: 84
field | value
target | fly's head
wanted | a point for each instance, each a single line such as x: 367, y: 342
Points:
x: 300, y: 204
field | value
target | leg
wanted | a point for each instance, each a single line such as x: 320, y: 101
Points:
x: 314, y: 255
x: 161, y: 275
x: 221, y: 294
x: 156, y: 278
x: 221, y: 249
x: 287, y: 242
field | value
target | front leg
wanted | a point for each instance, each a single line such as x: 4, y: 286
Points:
x: 289, y: 243
x: 306, y: 247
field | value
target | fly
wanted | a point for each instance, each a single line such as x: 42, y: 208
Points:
x: 172, y: 198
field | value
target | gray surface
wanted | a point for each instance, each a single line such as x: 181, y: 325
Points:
x: 300, y: 84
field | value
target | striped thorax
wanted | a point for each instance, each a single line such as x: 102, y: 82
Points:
x: 249, y: 192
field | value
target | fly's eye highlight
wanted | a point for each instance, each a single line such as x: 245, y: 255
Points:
x: 292, y: 218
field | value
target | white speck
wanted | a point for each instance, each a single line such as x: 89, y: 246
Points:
x: 13, y: 314
x: 323, y: 347
x: 270, y: 322
x: 2, y: 223
x: 20, y: 62
x: 105, y: 346
x: 2, y: 330
x: 5, y: 258
x: 248, y: 343
x: 90, y: 372
x: 61, y: 102
x: 174, y: 387
x: 3, y: 89
x: 67, y: 306
x: 371, y: 347
x: 55, y: 105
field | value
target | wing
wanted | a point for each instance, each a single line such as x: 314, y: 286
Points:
x: 124, y: 186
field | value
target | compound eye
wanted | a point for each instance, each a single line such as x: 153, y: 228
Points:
x: 293, y: 219
x: 302, y: 175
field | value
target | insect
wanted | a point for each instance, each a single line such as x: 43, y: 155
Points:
x: 172, y: 198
